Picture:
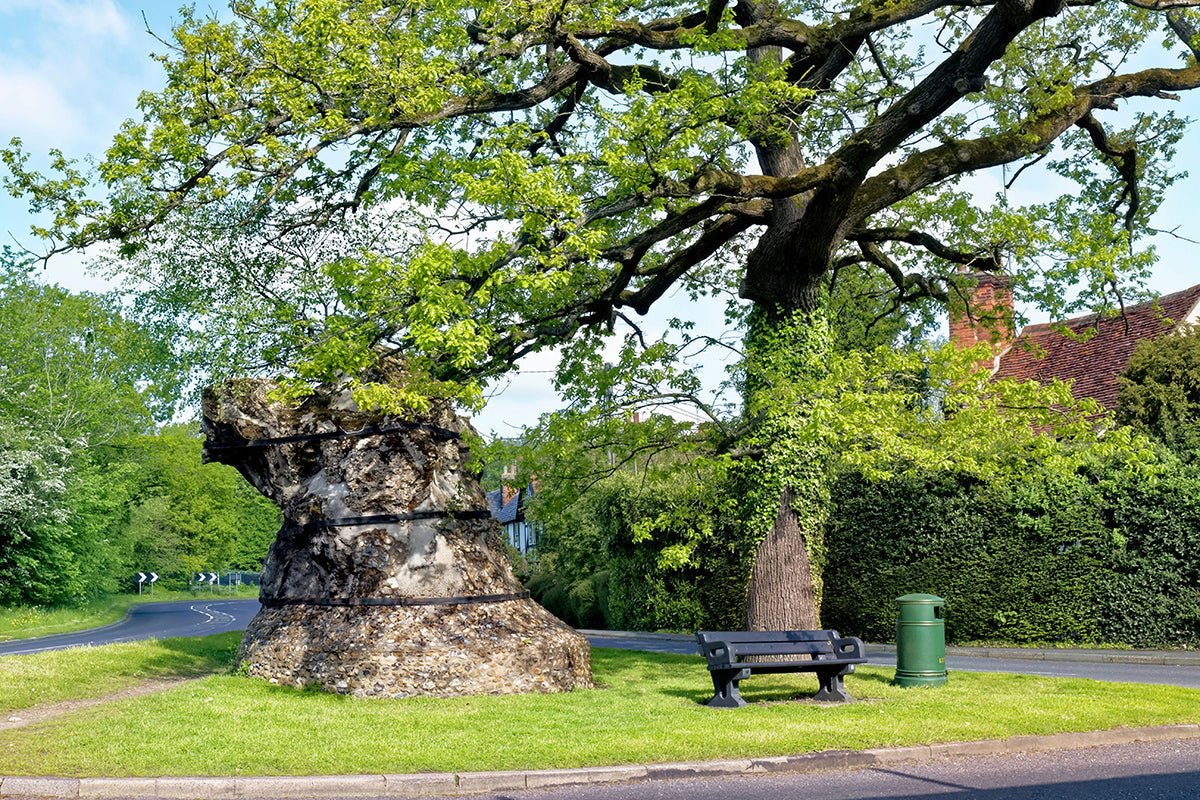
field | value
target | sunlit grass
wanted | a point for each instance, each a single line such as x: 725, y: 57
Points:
x: 85, y: 672
x: 26, y: 622
x: 650, y: 711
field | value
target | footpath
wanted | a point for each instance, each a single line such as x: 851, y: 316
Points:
x: 467, y: 783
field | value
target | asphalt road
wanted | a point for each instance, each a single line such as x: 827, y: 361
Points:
x: 1140, y: 771
x: 150, y: 620
x: 1187, y: 676
x: 205, y: 617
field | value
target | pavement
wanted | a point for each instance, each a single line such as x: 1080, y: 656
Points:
x: 466, y: 783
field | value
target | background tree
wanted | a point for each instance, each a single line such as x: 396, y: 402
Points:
x: 1160, y: 393
x: 90, y: 490
x: 548, y: 169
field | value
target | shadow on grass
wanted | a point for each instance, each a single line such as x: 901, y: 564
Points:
x: 193, y: 657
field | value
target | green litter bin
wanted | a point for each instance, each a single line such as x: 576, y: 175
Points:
x: 920, y: 641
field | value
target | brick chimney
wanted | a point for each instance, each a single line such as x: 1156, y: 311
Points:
x: 987, y: 315
x: 508, y: 475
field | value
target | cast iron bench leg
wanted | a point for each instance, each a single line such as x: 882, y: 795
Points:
x: 832, y: 689
x: 725, y: 685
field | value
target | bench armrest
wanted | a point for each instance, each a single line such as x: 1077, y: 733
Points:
x: 849, y: 647
x: 718, y: 652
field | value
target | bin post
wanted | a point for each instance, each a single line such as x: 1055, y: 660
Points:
x: 920, y: 641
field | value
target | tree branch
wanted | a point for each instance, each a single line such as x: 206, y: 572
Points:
x: 1126, y: 164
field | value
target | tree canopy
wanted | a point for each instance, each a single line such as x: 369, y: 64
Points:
x: 544, y: 167
x: 466, y: 184
x: 1160, y: 392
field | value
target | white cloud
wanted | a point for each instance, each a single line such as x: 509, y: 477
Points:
x: 32, y: 107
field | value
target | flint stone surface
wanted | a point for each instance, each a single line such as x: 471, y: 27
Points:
x: 313, y: 627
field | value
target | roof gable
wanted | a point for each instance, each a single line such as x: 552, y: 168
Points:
x: 1042, y: 352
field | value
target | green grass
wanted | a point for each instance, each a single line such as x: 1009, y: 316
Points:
x: 649, y: 711
x: 86, y: 672
x: 26, y: 622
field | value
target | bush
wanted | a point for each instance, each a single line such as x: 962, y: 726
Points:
x: 1015, y: 561
x: 674, y: 561
x: 1151, y: 594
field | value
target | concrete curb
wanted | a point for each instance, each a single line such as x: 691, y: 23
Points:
x: 465, y: 783
x: 1174, y: 658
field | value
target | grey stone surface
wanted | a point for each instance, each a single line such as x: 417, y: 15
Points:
x: 422, y: 784
x: 118, y: 787
x: 313, y: 786
x: 495, y: 781
x: 381, y: 607
x: 39, y: 787
x: 899, y: 755
x: 697, y: 769
x: 583, y: 776
x: 982, y: 747
x: 197, y: 788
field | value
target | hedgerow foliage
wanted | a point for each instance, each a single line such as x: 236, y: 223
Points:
x: 1100, y: 555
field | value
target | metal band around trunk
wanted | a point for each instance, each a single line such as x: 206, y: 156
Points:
x: 370, y: 430
x: 386, y: 519
x: 276, y: 602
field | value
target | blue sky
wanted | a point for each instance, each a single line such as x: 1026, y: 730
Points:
x: 71, y: 71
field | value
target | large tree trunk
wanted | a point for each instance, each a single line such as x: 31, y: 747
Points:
x: 388, y: 577
x: 782, y: 593
x: 782, y: 482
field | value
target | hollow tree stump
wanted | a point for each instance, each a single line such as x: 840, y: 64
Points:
x: 388, y: 576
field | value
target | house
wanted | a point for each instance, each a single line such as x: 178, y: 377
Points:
x: 508, y: 507
x: 1043, y: 352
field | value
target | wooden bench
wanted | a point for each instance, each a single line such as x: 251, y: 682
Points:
x: 824, y: 652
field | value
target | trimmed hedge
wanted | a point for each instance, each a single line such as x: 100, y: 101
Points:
x: 1044, y: 558
x: 1100, y: 556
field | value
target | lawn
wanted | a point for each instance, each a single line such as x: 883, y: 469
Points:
x: 647, y: 708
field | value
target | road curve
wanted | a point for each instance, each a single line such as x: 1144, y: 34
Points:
x: 147, y: 621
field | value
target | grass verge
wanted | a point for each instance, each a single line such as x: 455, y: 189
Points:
x: 86, y: 672
x: 649, y: 711
x: 27, y: 622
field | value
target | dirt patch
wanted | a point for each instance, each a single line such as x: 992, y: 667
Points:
x: 41, y: 713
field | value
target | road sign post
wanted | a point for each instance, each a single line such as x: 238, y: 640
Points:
x: 141, y: 580
x: 153, y: 578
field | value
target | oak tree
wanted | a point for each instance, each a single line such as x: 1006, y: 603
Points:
x: 540, y: 172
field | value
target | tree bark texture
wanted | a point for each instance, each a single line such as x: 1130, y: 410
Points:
x: 782, y: 594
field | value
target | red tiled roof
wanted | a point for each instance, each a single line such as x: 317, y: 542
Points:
x: 1042, y: 352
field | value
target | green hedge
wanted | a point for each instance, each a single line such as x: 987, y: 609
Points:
x: 648, y: 588
x: 1101, y: 556
x: 1039, y: 558
x: 1151, y: 595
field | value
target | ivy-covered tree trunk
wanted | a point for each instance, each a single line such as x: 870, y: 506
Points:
x: 781, y: 480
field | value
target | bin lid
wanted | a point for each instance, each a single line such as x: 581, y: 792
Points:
x: 920, y: 598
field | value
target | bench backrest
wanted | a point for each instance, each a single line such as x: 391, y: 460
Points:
x: 741, y: 644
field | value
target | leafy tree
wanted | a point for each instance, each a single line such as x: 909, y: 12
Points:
x: 536, y: 173
x: 1160, y: 392
x: 33, y: 480
x: 73, y: 367
x: 194, y: 517
x: 76, y: 380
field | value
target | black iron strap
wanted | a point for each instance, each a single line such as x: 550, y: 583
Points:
x: 370, y: 430
x: 384, y: 519
x: 276, y: 602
